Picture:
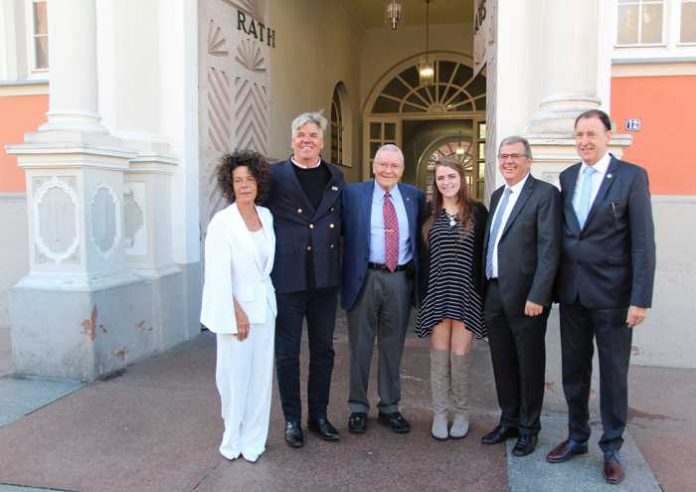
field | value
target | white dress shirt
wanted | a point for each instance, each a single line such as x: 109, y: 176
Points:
x: 514, y: 195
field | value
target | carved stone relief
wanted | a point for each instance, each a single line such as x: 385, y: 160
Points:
x: 134, y: 225
x: 106, y: 220
x: 55, y: 220
x: 234, y: 74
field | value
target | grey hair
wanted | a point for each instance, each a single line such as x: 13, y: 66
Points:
x: 389, y: 148
x: 517, y: 139
x: 315, y: 117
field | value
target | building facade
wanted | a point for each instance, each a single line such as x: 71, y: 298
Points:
x: 106, y: 171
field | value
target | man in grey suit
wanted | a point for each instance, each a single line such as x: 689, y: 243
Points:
x: 381, y: 230
x: 522, y: 248
x: 605, y: 284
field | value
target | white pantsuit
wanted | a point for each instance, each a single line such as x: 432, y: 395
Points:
x: 238, y: 264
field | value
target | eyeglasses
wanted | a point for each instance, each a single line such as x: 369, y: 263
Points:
x: 514, y: 157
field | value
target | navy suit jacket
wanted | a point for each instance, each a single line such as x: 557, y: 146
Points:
x: 304, y: 234
x: 610, y: 262
x: 357, y: 211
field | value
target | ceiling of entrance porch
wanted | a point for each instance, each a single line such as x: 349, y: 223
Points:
x: 370, y: 13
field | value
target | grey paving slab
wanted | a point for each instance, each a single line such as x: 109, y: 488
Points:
x: 582, y: 473
x: 22, y: 396
x: 19, y: 488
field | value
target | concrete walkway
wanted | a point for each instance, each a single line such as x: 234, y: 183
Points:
x: 156, y: 426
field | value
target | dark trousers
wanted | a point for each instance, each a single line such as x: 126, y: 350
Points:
x: 382, y: 311
x: 578, y: 327
x: 319, y: 307
x: 518, y: 353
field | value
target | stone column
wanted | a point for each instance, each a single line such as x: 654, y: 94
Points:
x: 72, y: 52
x: 65, y: 318
x: 569, y: 70
x: 569, y: 73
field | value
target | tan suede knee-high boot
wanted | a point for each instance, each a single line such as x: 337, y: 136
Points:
x: 460, y: 377
x: 440, y: 386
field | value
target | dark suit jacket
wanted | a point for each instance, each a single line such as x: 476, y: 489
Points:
x: 610, y: 263
x: 298, y: 226
x: 357, y: 210
x: 530, y: 245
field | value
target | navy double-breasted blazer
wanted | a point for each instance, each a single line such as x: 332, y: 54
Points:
x: 357, y: 212
x: 610, y: 262
x: 305, y: 234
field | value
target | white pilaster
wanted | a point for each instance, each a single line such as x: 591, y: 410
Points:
x: 73, y: 76
x: 569, y: 71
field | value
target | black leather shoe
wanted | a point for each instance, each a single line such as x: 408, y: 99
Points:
x: 525, y: 445
x: 293, y: 434
x: 395, y: 421
x: 500, y: 434
x: 357, y: 423
x: 323, y: 428
x: 566, y: 450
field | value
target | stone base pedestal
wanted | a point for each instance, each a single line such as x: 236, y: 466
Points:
x: 86, y: 334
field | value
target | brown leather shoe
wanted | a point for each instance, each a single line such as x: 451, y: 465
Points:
x: 613, y: 470
x: 566, y: 450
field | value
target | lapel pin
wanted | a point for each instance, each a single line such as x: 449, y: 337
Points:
x: 334, y: 188
x: 609, y: 176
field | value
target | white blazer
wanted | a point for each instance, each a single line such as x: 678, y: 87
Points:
x: 233, y: 268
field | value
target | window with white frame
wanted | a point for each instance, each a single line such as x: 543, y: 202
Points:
x: 640, y: 22
x: 687, y: 28
x: 39, y: 35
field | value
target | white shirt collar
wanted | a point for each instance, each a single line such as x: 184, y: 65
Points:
x: 379, y: 191
x: 302, y: 166
x: 517, y: 188
x: 601, y: 165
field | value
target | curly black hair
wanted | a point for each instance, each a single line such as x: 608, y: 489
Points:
x: 258, y: 166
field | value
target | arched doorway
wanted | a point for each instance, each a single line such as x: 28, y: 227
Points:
x: 402, y: 111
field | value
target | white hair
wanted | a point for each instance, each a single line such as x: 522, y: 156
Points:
x: 389, y: 148
x: 315, y: 117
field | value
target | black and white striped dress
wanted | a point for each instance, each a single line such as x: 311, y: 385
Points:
x: 451, y: 292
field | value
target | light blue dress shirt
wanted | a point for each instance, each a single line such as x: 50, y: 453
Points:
x: 377, y: 226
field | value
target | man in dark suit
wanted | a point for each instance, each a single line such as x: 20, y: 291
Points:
x: 381, y: 227
x: 305, y: 199
x: 522, y: 248
x: 605, y: 284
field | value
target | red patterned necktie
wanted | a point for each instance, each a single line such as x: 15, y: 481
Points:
x: 391, y: 234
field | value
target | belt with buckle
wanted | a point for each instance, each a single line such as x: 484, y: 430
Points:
x: 384, y: 268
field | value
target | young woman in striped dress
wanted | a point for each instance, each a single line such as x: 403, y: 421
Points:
x: 451, y: 309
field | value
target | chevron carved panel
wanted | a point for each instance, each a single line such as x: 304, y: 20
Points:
x: 251, y: 115
x: 251, y: 7
x: 218, y: 132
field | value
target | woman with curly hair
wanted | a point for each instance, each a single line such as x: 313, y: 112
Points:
x: 451, y: 309
x: 239, y: 303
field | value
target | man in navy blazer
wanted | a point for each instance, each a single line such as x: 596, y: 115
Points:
x: 305, y: 200
x: 604, y: 285
x: 381, y: 229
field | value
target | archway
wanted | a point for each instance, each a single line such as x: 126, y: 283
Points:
x: 399, y: 105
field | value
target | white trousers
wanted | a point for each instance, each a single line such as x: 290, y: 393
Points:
x: 244, y: 378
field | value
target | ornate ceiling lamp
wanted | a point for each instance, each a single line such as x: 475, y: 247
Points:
x: 426, y: 66
x: 394, y: 13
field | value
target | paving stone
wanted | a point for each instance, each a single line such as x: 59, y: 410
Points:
x: 582, y: 473
x: 22, y: 396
